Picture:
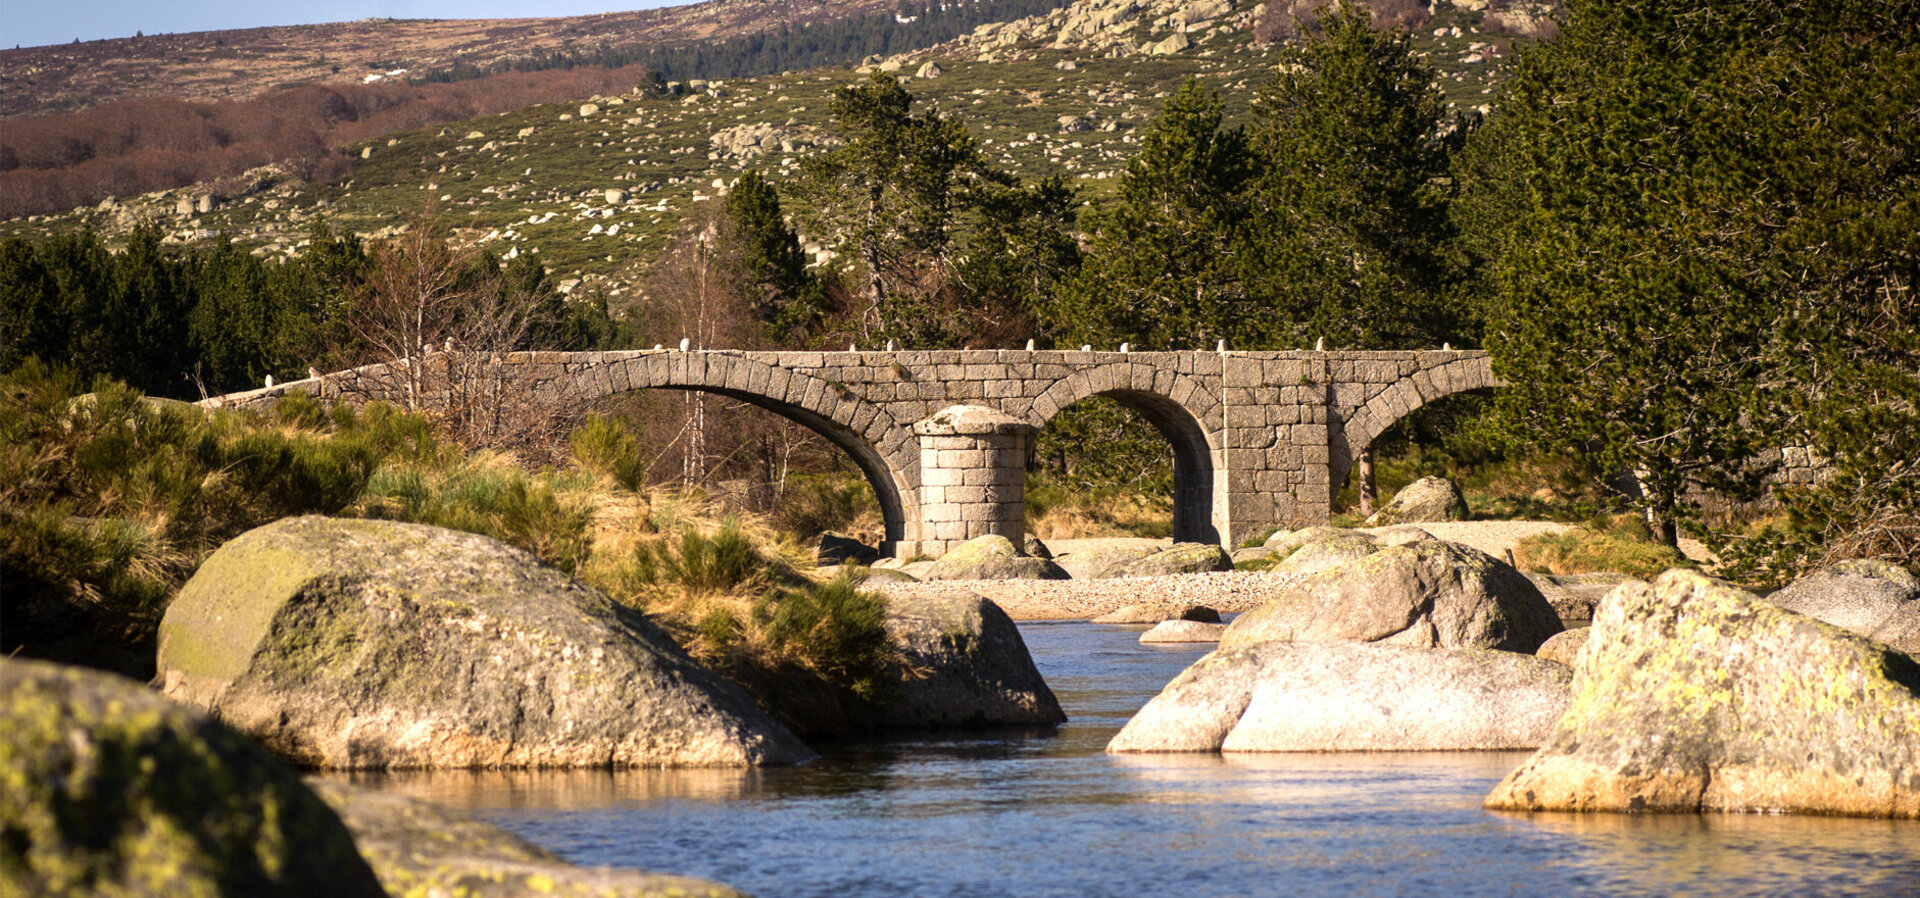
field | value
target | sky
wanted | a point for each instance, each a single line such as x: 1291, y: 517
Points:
x: 29, y: 23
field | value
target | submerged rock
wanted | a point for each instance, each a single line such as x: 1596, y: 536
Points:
x: 110, y: 789
x: 1177, y: 631
x: 418, y: 848
x: 1433, y: 593
x: 1290, y: 696
x: 1182, y: 558
x: 1155, y: 612
x: 373, y: 644
x: 1426, y: 499
x: 962, y: 663
x: 1694, y: 696
x: 991, y: 558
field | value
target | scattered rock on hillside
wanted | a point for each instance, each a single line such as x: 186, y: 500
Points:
x: 1182, y: 631
x: 113, y: 790
x: 372, y: 644
x: 1434, y: 593
x: 962, y: 663
x: 1155, y: 612
x: 1293, y: 696
x: 1426, y: 499
x: 1876, y: 599
x: 991, y: 558
x: 419, y: 848
x: 1182, y: 558
x: 1693, y: 696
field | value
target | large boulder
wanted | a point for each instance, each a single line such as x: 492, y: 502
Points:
x: 1155, y: 612
x: 1433, y: 593
x: 418, y: 848
x: 1694, y: 696
x: 374, y: 644
x: 111, y: 789
x: 1086, y: 564
x: 1283, y: 542
x: 961, y: 662
x: 1182, y: 558
x: 839, y: 548
x: 1876, y: 599
x: 1292, y: 696
x: 991, y: 558
x: 1332, y: 551
x: 1426, y: 499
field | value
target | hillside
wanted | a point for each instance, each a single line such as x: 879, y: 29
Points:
x: 595, y: 187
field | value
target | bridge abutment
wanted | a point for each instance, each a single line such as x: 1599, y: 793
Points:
x: 973, y: 477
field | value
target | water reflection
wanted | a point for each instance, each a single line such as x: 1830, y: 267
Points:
x: 1048, y: 813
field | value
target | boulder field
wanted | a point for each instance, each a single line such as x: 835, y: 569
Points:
x: 1302, y: 696
x: 375, y: 644
x: 1694, y: 696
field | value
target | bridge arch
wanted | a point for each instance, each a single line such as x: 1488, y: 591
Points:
x: 885, y: 451
x: 1187, y: 416
x: 1385, y: 408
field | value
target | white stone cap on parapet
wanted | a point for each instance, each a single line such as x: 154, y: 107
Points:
x: 971, y: 420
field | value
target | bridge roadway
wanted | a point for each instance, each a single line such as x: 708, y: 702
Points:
x: 1260, y: 439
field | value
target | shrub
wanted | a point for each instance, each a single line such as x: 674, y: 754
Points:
x: 606, y: 447
x: 1622, y: 544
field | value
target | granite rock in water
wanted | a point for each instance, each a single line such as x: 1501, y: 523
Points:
x: 1177, y: 631
x: 1432, y: 593
x: 374, y: 644
x: 962, y: 663
x: 1296, y: 696
x: 1693, y: 696
x: 1155, y: 612
x: 106, y: 788
x: 418, y: 848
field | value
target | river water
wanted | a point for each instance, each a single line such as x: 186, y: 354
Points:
x: 1049, y: 814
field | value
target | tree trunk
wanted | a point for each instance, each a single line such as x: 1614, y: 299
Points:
x: 1367, y: 489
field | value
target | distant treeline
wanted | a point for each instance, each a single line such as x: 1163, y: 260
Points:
x: 56, y: 162
x: 786, y: 48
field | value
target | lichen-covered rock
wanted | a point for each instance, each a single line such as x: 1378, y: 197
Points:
x: 1693, y: 696
x: 1432, y: 593
x: 374, y: 644
x: 1876, y: 599
x: 1084, y: 564
x: 961, y: 662
x: 1292, y: 696
x: 106, y: 788
x: 1183, y: 558
x: 991, y: 558
x: 1400, y: 535
x: 1426, y: 499
x: 1155, y: 612
x: 1332, y: 551
x: 1564, y: 647
x: 418, y: 848
x: 1176, y: 631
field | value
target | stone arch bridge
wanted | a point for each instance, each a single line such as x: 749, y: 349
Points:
x: 1260, y: 439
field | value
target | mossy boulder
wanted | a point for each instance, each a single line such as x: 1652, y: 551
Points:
x: 106, y: 788
x: 960, y: 662
x: 1426, y: 499
x: 1182, y: 558
x: 991, y: 558
x: 1693, y: 696
x: 1294, y: 696
x: 1876, y: 599
x: 418, y: 848
x: 374, y: 644
x: 1433, y: 593
x: 1331, y: 551
x: 1155, y: 612
x: 1182, y: 631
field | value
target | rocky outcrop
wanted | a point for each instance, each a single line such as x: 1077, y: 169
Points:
x: 1564, y: 647
x: 1332, y: 551
x: 1426, y: 499
x: 1177, y: 631
x: 962, y: 663
x: 1155, y: 612
x: 1693, y: 696
x: 1182, y: 558
x: 991, y: 558
x: 1333, y: 697
x: 373, y: 644
x: 1876, y: 599
x: 418, y: 848
x: 1432, y: 593
x: 111, y: 789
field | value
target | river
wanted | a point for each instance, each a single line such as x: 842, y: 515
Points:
x: 1049, y: 814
